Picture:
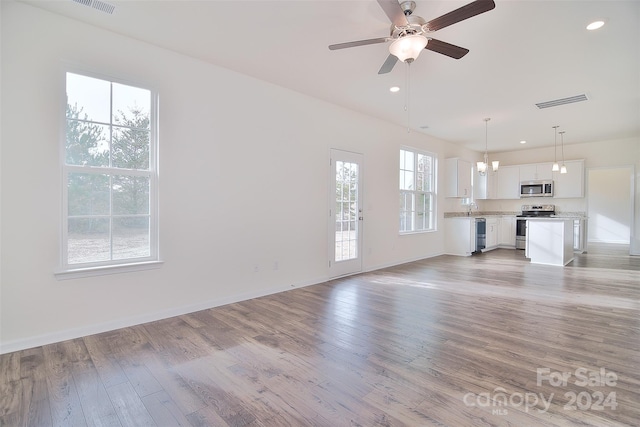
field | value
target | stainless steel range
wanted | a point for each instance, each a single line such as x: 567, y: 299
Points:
x: 529, y: 211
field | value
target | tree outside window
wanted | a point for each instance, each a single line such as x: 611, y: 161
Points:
x: 109, y: 173
x: 417, y: 191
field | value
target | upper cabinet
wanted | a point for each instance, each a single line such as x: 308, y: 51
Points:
x: 505, y: 182
x: 571, y: 184
x: 508, y: 182
x: 535, y: 172
x: 502, y: 184
x: 485, y: 186
x: 458, y: 178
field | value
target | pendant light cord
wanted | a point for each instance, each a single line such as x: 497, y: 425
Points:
x: 555, y: 145
x: 486, y: 138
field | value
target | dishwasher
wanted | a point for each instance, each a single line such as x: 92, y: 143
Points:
x: 481, y: 234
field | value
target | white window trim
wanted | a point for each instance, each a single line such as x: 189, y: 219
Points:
x: 78, y: 273
x: 434, y: 193
x: 72, y: 271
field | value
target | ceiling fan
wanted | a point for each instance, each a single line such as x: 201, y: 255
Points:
x: 410, y: 33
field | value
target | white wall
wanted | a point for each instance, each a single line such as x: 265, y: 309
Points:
x: 609, y: 205
x: 217, y: 220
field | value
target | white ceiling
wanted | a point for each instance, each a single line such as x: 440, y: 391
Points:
x: 521, y: 53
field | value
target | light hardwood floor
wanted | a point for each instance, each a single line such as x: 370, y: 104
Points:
x: 438, y: 342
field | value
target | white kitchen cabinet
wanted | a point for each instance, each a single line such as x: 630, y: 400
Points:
x: 508, y: 182
x: 536, y: 171
x: 580, y: 235
x: 458, y: 182
x: 492, y: 233
x: 460, y: 235
x: 571, y: 184
x: 485, y: 186
x: 507, y: 234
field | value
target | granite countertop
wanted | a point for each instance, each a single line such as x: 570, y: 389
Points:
x: 575, y: 215
x: 483, y: 214
x: 479, y: 214
x: 550, y: 218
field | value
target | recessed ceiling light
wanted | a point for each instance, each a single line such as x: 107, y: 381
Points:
x: 523, y: 142
x: 394, y: 89
x: 595, y: 25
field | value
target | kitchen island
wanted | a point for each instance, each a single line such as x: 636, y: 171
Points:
x: 550, y: 240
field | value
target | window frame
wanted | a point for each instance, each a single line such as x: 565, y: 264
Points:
x: 432, y: 195
x: 94, y: 268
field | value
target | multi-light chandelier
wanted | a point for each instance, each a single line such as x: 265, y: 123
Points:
x: 482, y: 166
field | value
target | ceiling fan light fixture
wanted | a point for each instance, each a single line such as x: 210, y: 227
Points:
x: 407, y: 48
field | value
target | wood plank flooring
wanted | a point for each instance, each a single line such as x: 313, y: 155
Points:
x: 448, y: 341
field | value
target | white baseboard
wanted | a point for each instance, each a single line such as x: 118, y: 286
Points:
x: 68, y: 334
x: 615, y: 242
x: 393, y: 264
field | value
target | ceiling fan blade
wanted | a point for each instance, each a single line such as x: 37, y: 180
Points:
x: 472, y: 9
x: 447, y: 49
x: 394, y: 12
x: 388, y: 64
x: 358, y: 43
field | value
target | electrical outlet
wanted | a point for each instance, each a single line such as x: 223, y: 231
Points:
x: 256, y: 268
x: 275, y: 265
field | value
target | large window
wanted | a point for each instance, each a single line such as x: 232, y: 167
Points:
x: 109, y: 174
x: 417, y: 191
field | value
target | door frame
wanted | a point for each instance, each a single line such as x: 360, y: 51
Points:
x: 351, y: 266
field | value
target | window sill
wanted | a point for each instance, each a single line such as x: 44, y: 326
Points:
x: 77, y: 273
x: 408, y: 233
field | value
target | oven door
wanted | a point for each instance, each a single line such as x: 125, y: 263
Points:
x: 521, y: 233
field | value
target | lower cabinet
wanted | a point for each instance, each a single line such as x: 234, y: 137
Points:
x: 580, y: 235
x: 507, y: 232
x: 460, y: 235
x: 501, y: 232
x: 492, y: 233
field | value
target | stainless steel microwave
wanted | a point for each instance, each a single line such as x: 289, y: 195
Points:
x: 536, y: 189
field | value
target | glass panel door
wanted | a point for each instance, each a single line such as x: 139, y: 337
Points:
x: 345, y: 214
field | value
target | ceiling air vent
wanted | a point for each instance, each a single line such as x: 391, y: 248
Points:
x: 562, y: 101
x: 98, y: 5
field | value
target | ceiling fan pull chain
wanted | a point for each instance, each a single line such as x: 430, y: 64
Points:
x: 407, y: 97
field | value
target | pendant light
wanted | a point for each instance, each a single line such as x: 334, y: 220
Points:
x: 556, y: 166
x: 563, y: 168
x: 482, y: 166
